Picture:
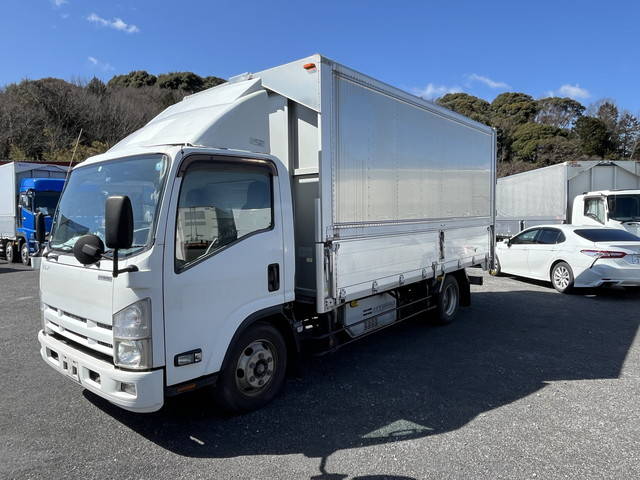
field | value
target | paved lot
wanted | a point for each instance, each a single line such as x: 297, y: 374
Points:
x: 527, y: 383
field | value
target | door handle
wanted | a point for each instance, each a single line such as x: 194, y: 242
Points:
x: 273, y: 277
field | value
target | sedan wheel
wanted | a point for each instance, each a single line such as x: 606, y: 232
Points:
x: 562, y: 277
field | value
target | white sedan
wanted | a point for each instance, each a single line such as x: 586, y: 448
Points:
x: 572, y: 256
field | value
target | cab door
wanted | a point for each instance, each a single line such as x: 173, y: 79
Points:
x: 224, y: 257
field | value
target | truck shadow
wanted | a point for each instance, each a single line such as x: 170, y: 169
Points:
x: 411, y: 381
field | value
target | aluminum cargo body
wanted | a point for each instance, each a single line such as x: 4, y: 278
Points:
x: 388, y: 188
x: 10, y: 176
x: 545, y: 195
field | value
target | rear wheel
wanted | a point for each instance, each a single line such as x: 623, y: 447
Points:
x: 255, y: 370
x: 24, y: 254
x: 448, y: 301
x: 562, y: 277
x: 10, y: 252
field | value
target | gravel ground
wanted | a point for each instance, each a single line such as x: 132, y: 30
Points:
x: 527, y: 383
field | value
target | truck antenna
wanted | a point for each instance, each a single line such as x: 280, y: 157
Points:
x: 73, y: 155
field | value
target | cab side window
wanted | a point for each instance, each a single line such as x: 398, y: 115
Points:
x: 219, y: 205
x: 524, y: 238
x: 594, y: 208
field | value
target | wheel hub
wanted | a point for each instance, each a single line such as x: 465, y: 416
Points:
x: 561, y: 277
x: 256, y: 366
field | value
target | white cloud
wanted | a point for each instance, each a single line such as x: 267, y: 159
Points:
x: 474, y: 77
x: 431, y: 91
x: 59, y: 3
x: 116, y: 23
x: 105, y: 67
x: 64, y: 16
x: 571, y: 91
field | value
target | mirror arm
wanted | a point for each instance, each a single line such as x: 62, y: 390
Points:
x: 116, y: 271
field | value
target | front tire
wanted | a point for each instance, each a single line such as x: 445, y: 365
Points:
x: 496, y: 270
x: 448, y: 301
x: 24, y: 254
x: 562, y: 277
x: 10, y: 252
x: 255, y: 370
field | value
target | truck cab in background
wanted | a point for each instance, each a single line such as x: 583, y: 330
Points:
x: 610, y: 208
x: 26, y: 190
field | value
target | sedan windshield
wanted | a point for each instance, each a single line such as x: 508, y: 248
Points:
x: 624, y: 208
x: 82, y: 206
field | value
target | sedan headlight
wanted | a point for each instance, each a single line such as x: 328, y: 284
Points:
x: 132, y: 336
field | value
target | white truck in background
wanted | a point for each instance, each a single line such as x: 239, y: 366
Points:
x: 297, y: 208
x: 604, y: 193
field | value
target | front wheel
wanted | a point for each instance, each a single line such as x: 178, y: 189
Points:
x: 448, y: 301
x: 496, y: 270
x: 24, y: 254
x: 10, y: 252
x: 562, y: 277
x: 255, y: 370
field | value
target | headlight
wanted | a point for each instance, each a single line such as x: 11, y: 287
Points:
x: 132, y: 336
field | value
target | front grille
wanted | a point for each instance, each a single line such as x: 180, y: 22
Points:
x: 88, y: 333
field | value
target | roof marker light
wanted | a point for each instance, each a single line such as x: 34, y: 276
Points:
x: 309, y: 66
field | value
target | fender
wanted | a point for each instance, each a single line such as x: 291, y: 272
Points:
x: 285, y: 325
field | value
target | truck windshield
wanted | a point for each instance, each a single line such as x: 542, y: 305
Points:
x: 82, y: 206
x: 46, y: 202
x: 624, y: 208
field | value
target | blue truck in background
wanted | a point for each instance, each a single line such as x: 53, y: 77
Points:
x: 26, y: 189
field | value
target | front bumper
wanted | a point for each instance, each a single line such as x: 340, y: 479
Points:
x: 102, y: 378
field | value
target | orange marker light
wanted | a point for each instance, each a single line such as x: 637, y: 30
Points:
x: 309, y: 66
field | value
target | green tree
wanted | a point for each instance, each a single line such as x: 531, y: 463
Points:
x: 593, y: 135
x: 558, y: 112
x: 628, y: 134
x: 468, y: 105
x: 534, y: 142
x: 185, y: 81
x: 506, y: 113
x: 211, y: 81
x: 135, y: 79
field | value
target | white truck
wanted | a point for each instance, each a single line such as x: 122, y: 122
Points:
x: 297, y: 208
x: 581, y: 193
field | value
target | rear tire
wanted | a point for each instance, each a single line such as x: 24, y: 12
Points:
x: 255, y: 370
x: 562, y: 277
x: 10, y: 252
x: 448, y: 301
x: 24, y: 254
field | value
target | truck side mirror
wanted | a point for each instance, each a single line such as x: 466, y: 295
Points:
x: 118, y: 222
x: 40, y: 228
x: 118, y: 219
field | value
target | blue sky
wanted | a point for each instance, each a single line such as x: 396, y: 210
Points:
x: 584, y: 49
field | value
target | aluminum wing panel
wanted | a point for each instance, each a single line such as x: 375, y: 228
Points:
x: 398, y: 162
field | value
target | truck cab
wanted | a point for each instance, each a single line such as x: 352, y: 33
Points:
x: 35, y: 195
x: 611, y: 208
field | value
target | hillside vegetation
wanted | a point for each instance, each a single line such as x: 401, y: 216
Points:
x: 41, y: 119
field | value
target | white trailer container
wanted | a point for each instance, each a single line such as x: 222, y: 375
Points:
x: 546, y: 195
x: 341, y: 205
